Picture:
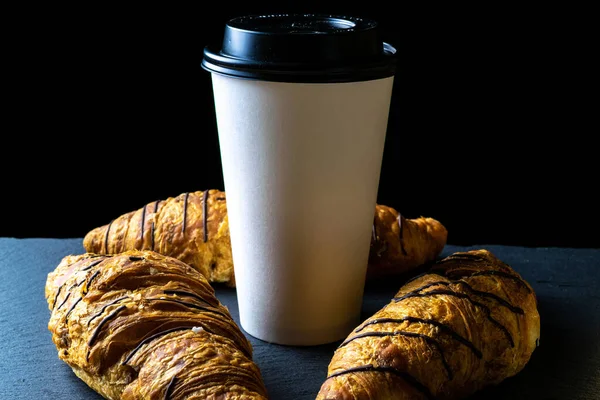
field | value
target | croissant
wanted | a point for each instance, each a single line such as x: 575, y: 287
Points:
x: 470, y: 321
x: 193, y: 227
x: 401, y: 244
x: 140, y: 325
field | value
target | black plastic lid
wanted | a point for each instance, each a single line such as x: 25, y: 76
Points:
x: 302, y: 48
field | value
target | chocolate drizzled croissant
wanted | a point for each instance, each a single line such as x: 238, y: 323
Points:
x: 194, y: 228
x: 400, y: 244
x: 140, y: 325
x: 469, y: 322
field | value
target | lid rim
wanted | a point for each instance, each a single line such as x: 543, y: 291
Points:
x: 388, y: 56
x: 301, y: 47
x: 334, y: 74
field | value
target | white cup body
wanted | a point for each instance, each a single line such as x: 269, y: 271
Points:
x: 301, y: 165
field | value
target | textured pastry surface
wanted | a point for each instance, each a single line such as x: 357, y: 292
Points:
x: 401, y: 244
x: 469, y: 322
x: 140, y: 325
x: 194, y: 228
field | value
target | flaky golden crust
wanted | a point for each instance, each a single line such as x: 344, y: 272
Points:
x: 140, y: 325
x: 401, y: 244
x: 469, y: 322
x: 192, y: 227
x: 177, y: 227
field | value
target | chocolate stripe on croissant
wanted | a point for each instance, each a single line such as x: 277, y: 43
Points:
x: 100, y: 325
x: 152, y: 337
x: 170, y: 388
x: 504, y: 275
x: 64, y: 300
x: 466, y: 256
x: 153, y: 222
x: 428, y: 339
x: 76, y: 302
x: 56, y: 296
x: 185, y: 205
x: 183, y: 293
x: 471, y: 257
x: 152, y: 235
x: 204, y: 216
x: 447, y: 329
x: 191, y: 305
x: 499, y: 299
x: 238, y: 375
x: 480, y: 273
x: 99, y: 255
x: 77, y: 284
x: 465, y: 297
x: 59, y: 289
x: 401, y: 235
x: 93, y: 317
x: 89, y: 282
x: 106, y: 237
x: 91, y: 265
x: 142, y: 226
x: 72, y: 308
x: 404, y: 375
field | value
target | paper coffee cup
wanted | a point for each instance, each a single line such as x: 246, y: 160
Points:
x: 302, y: 105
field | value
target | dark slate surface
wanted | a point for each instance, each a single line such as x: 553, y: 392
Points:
x: 565, y: 366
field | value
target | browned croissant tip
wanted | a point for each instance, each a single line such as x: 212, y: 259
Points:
x: 437, y: 228
x: 438, y: 232
x: 91, y: 237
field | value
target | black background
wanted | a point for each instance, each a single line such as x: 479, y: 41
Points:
x: 490, y: 127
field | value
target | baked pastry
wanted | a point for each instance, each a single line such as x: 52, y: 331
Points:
x: 194, y: 228
x: 470, y: 321
x: 140, y: 325
x: 399, y: 244
x: 191, y: 227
